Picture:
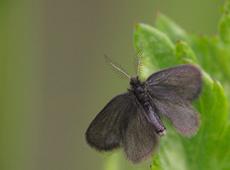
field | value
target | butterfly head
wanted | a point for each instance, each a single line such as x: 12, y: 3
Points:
x: 135, y: 83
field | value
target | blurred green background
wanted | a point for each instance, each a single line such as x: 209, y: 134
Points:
x: 53, y: 78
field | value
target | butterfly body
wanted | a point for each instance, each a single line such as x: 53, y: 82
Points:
x: 132, y: 120
x: 140, y: 91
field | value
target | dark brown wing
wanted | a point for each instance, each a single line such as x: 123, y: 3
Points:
x: 140, y: 138
x: 172, y: 91
x: 183, y: 81
x: 182, y: 115
x: 104, y: 132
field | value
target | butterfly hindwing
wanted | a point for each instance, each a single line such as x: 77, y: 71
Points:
x: 182, y: 115
x: 140, y: 138
x: 104, y: 132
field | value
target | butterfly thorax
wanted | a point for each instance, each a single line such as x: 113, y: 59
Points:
x: 138, y: 88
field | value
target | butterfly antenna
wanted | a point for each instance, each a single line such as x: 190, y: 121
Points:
x: 116, y: 67
x: 139, y: 63
x: 136, y: 59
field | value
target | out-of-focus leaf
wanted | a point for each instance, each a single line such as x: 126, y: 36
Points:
x: 118, y: 161
x: 173, y: 31
x: 157, y: 49
x: 204, y: 150
x: 212, y: 56
x: 184, y: 53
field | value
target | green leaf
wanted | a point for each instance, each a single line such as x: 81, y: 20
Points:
x: 118, y: 161
x: 204, y: 150
x: 157, y: 49
x: 213, y: 57
x: 173, y: 31
x: 184, y: 53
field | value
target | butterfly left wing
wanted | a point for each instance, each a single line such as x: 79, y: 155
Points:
x: 172, y: 91
x: 140, y: 138
x: 105, y: 131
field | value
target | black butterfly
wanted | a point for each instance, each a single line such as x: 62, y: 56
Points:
x: 132, y: 120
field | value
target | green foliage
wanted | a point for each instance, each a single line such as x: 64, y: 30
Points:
x: 155, y: 54
x: 167, y: 45
x: 174, y: 32
x: 208, y: 148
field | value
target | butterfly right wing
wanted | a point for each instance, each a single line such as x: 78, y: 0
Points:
x: 183, y: 81
x: 105, y: 131
x: 172, y: 91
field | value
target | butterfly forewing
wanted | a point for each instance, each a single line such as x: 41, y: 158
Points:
x: 105, y: 131
x: 171, y: 92
x: 140, y: 138
x: 183, y: 81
